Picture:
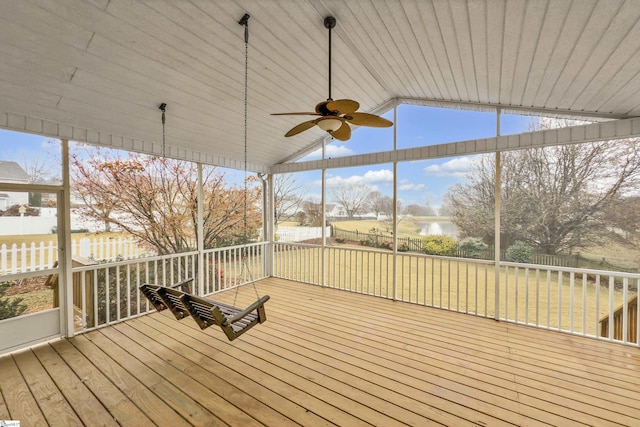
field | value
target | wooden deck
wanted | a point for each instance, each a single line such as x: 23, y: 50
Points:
x: 324, y: 357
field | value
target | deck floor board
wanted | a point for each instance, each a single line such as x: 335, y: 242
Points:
x: 325, y: 357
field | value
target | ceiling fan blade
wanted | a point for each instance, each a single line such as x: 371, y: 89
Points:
x: 365, y: 119
x: 343, y: 133
x: 343, y: 106
x: 301, y: 128
x: 296, y: 114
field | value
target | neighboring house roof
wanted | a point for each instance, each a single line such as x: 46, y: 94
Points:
x: 12, y: 171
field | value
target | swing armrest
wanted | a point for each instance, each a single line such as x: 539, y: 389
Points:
x: 180, y: 284
x: 248, y: 310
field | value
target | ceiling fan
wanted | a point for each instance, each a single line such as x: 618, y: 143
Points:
x: 335, y: 115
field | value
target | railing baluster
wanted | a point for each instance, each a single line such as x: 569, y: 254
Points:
x: 506, y: 292
x: 625, y: 310
x: 597, y: 317
x: 83, y: 299
x: 537, y: 297
x: 517, y: 295
x: 611, y: 307
x: 95, y: 298
x: 128, y: 290
x: 584, y: 304
x: 526, y: 295
x: 548, y: 298
x: 572, y: 305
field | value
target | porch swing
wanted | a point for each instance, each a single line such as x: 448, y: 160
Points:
x: 232, y: 320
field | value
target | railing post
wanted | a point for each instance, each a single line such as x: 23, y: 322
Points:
x: 395, y: 206
x: 65, y: 247
x: 200, y: 225
x: 269, y: 250
x: 497, y: 223
x: 324, y: 219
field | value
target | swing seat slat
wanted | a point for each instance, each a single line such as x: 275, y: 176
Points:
x: 233, y: 321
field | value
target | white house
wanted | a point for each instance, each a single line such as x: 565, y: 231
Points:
x: 12, y: 173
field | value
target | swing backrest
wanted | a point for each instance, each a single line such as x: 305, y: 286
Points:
x: 150, y: 291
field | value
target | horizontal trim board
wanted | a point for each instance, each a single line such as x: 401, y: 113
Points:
x: 21, y: 123
x: 612, y: 130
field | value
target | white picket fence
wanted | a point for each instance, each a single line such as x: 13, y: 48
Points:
x: 39, y: 256
x: 297, y: 234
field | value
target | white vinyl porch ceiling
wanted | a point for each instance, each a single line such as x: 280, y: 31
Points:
x: 97, y: 70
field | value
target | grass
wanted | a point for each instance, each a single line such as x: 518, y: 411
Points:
x: 528, y: 296
x: 407, y: 227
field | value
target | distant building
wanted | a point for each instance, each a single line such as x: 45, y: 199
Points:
x: 12, y: 173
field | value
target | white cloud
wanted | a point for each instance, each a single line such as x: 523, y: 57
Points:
x: 332, y: 150
x: 458, y: 167
x: 338, y: 150
x: 369, y: 178
x: 409, y: 186
x: 383, y: 175
x: 335, y: 180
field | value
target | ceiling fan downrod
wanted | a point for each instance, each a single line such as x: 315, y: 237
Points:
x: 329, y: 23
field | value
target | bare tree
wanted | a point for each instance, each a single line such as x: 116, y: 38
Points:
x: 553, y: 198
x: 419, y: 210
x: 379, y: 203
x: 352, y: 197
x: 42, y: 167
x: 312, y: 213
x: 388, y: 221
x: 288, y: 197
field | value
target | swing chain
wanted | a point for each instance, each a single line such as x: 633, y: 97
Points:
x: 244, y: 252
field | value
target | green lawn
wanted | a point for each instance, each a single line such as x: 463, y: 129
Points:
x: 459, y: 284
x: 407, y: 227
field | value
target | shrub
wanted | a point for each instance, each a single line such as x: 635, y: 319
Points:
x: 438, y: 245
x: 519, y: 252
x: 10, y: 307
x: 473, y: 247
x: 375, y: 240
x: 403, y: 248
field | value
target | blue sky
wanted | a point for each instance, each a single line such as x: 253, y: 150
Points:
x: 420, y: 182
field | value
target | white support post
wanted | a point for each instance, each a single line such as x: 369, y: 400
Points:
x: 200, y: 230
x: 271, y: 209
x: 65, y: 261
x: 395, y: 206
x: 267, y: 224
x: 497, y: 223
x: 323, y: 250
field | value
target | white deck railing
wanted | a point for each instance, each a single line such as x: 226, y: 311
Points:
x: 570, y: 300
x: 108, y: 293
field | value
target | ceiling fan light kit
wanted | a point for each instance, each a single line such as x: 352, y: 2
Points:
x: 335, y: 115
x: 329, y: 124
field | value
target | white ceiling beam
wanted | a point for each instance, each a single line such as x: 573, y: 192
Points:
x: 21, y: 123
x: 604, y: 131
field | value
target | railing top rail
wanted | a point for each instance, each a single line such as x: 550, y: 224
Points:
x: 572, y: 269
x: 449, y: 258
x: 28, y: 274
x: 303, y: 245
x: 135, y: 261
x: 387, y: 252
x: 226, y: 248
